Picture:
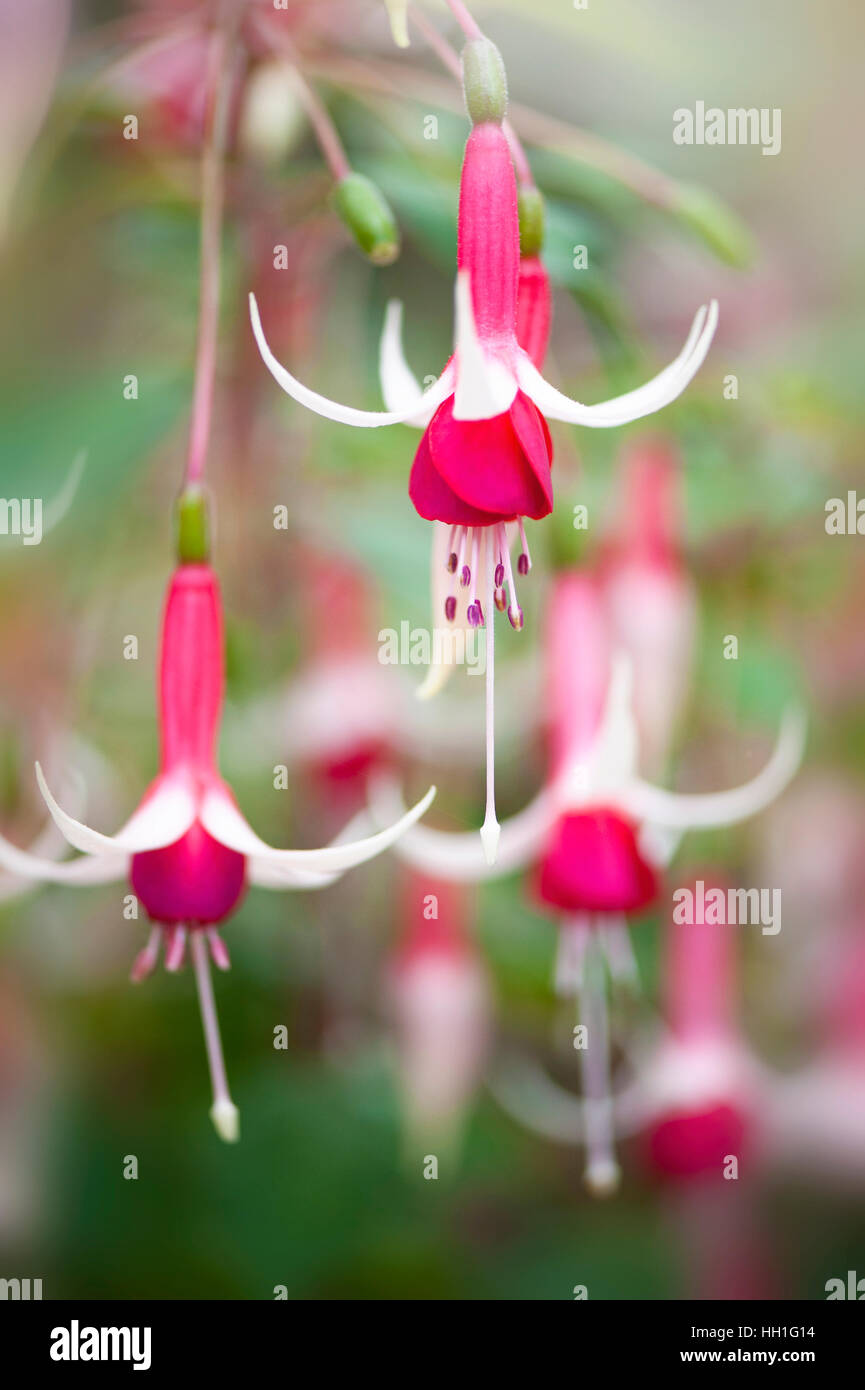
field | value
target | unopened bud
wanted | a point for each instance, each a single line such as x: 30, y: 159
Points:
x: 364, y: 210
x: 272, y: 119
x: 193, y: 526
x: 531, y: 210
x: 485, y: 82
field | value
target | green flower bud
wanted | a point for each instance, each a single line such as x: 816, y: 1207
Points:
x: 715, y: 224
x: 192, y: 523
x: 362, y: 207
x: 485, y: 82
x: 531, y: 210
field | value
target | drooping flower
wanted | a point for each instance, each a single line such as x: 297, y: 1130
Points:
x: 440, y: 1002
x: 485, y: 457
x: 187, y: 851
x: 649, y: 595
x: 597, y: 835
x: 700, y: 1086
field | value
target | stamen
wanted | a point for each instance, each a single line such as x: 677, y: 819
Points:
x: 524, y: 563
x: 450, y: 608
x: 145, y: 962
x: 500, y: 575
x: 490, y: 830
x: 223, y: 1112
x: 175, y: 949
x: 452, y: 556
x: 515, y: 613
x: 618, y: 949
x: 570, y: 956
x: 602, y: 1170
x: 218, y: 950
x: 500, y: 600
x: 465, y: 572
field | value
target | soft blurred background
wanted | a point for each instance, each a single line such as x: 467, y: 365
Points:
x: 325, y: 1195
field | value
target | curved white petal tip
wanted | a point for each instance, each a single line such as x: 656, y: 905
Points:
x: 436, y: 678
x: 399, y: 385
x: 633, y: 405
x: 490, y: 832
x: 398, y: 14
x: 162, y: 818
x: 333, y: 410
x: 602, y: 1177
x: 226, y: 1120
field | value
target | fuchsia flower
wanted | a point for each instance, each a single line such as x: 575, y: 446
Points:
x: 485, y: 457
x: 440, y: 1001
x: 187, y: 851
x: 701, y: 1088
x: 649, y: 595
x: 597, y: 834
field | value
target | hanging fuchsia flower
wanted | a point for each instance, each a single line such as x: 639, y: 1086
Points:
x: 440, y: 1001
x: 187, y: 851
x: 485, y: 457
x: 597, y: 835
x: 649, y: 595
x: 700, y: 1085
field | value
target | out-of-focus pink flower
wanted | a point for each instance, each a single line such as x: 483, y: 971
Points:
x: 187, y: 850
x: 650, y: 596
x: 440, y: 1001
x: 597, y: 833
x: 700, y: 1085
x: 816, y: 1115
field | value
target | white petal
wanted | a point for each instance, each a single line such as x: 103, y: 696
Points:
x: 262, y: 874
x: 461, y: 857
x: 26, y: 866
x: 399, y: 385
x: 345, y: 414
x: 485, y: 387
x: 687, y: 812
x: 645, y: 400
x: 221, y: 819
x: 165, y: 814
x: 57, y: 508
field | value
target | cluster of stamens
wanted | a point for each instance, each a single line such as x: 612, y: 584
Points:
x: 465, y: 549
x: 175, y: 951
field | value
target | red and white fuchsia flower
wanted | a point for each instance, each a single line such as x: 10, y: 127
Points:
x: 485, y: 457
x: 187, y: 851
x: 650, y: 596
x: 597, y: 834
x: 701, y: 1088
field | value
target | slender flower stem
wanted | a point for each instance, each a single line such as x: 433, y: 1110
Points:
x: 602, y: 1170
x: 223, y: 1112
x: 323, y: 127
x: 219, y: 83
x: 451, y: 60
x: 469, y: 26
x: 491, y: 829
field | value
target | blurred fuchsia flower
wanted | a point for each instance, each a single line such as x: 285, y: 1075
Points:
x: 649, y: 596
x: 597, y: 835
x: 701, y: 1088
x: 816, y: 1115
x: 187, y: 850
x: 440, y: 1001
x: 485, y: 457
